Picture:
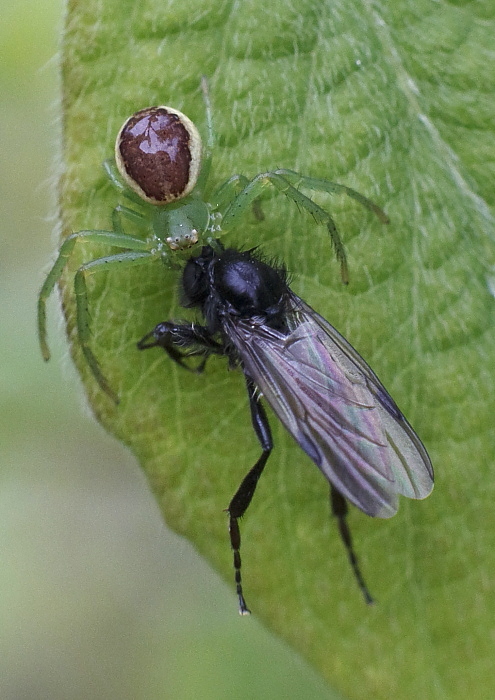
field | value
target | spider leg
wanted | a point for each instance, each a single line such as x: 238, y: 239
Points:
x: 340, y: 510
x: 321, y: 185
x: 127, y: 259
x: 254, y: 189
x: 120, y: 212
x: 223, y: 197
x: 229, y: 190
x: 244, y: 494
x: 110, y: 238
x: 205, y: 89
x: 210, y: 141
x: 111, y: 171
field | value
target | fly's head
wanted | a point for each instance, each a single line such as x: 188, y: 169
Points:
x: 196, y: 279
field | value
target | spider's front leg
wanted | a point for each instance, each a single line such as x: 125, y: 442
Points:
x: 223, y: 198
x: 253, y: 190
x: 120, y: 260
x: 110, y: 238
x: 321, y: 185
x: 226, y: 193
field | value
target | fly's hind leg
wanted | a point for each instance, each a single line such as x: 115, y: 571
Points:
x: 240, y: 502
x: 181, y: 341
x: 340, y: 510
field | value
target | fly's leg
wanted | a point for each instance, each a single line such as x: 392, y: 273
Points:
x: 170, y: 336
x: 340, y: 510
x: 240, y: 502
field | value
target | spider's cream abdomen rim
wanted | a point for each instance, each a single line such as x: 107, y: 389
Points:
x: 158, y: 154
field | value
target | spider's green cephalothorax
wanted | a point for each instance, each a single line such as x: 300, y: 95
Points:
x: 162, y: 169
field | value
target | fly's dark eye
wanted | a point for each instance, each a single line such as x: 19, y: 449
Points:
x: 158, y: 154
x: 194, y: 283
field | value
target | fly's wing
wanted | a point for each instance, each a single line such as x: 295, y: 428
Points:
x: 336, y: 408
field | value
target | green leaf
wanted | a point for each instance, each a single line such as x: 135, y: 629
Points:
x: 396, y: 100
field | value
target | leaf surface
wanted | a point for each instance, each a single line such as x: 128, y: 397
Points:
x: 396, y: 100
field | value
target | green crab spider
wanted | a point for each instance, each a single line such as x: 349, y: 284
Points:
x: 162, y: 168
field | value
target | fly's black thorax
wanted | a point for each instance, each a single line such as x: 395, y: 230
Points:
x: 235, y: 284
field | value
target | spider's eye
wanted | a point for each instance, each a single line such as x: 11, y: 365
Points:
x: 158, y: 154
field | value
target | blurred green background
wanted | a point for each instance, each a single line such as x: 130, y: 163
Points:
x: 97, y: 598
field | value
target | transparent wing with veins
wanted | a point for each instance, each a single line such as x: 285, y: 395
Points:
x: 336, y: 408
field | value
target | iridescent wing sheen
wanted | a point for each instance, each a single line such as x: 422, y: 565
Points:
x: 336, y: 408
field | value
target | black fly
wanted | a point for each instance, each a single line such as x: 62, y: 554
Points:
x: 321, y: 389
